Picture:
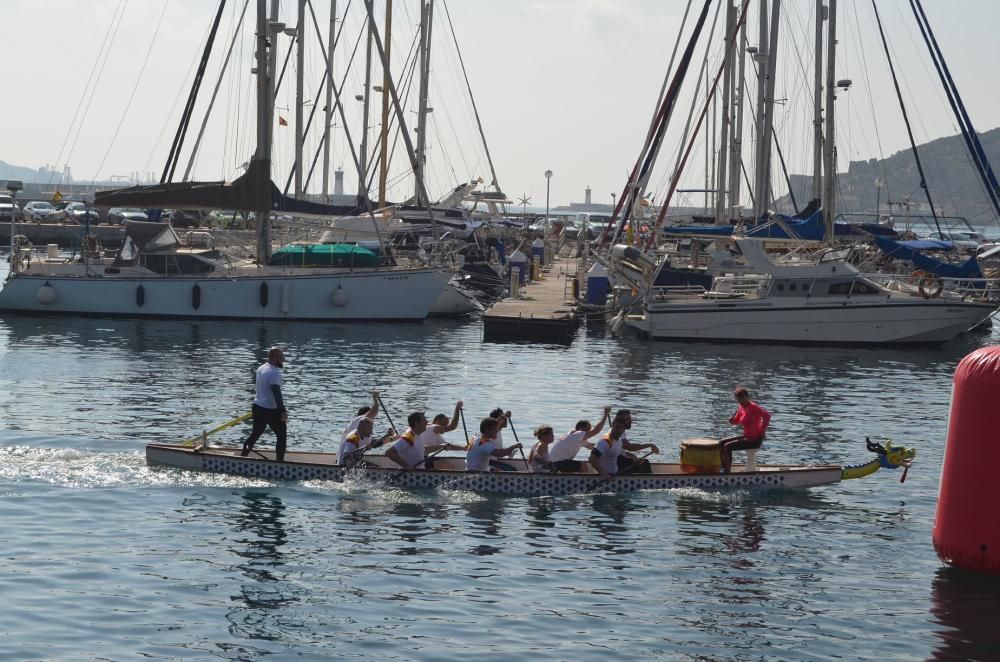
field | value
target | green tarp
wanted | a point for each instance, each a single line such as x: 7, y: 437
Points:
x: 323, y: 255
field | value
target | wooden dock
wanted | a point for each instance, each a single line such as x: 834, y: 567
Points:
x: 545, y: 310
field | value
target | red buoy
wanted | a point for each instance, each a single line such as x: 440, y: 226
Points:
x: 967, y: 523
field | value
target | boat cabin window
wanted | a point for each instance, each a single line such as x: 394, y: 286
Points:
x: 791, y: 288
x: 860, y: 288
x: 836, y: 255
x: 176, y: 263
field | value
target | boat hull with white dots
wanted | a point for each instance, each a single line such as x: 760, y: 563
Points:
x: 449, y: 473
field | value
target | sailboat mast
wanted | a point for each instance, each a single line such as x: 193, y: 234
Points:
x: 427, y: 13
x: 365, y: 113
x: 829, y: 154
x: 736, y: 160
x: 762, y: 57
x: 383, y: 163
x: 262, y: 155
x: 397, y: 106
x: 721, y: 208
x: 818, y: 105
x: 300, y: 51
x: 328, y: 108
x: 768, y: 137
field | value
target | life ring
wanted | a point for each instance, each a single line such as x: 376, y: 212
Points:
x: 930, y: 287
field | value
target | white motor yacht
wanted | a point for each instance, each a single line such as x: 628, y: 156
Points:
x: 819, y: 302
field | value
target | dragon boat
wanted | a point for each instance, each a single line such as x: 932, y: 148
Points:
x: 449, y: 473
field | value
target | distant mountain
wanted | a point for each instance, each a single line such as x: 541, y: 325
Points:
x: 28, y: 175
x: 954, y: 185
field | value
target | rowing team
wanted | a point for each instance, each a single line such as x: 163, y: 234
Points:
x: 414, y: 448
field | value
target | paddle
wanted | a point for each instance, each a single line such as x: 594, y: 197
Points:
x: 521, y: 449
x: 352, y: 458
x: 635, y: 464
x: 382, y: 405
x: 465, y: 430
x: 193, y: 440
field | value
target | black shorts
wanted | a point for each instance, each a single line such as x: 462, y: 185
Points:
x: 567, y: 466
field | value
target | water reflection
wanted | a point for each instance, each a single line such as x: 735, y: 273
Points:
x: 485, y: 518
x: 615, y: 534
x: 265, y: 593
x: 415, y: 520
x: 731, y: 522
x: 966, y: 605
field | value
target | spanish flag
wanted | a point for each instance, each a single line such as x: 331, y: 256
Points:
x: 282, y: 121
x: 57, y: 197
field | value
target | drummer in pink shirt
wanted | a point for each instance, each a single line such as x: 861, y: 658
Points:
x: 754, y: 420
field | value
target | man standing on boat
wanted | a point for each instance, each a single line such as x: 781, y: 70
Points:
x: 268, y: 405
x: 411, y: 448
x: 754, y: 420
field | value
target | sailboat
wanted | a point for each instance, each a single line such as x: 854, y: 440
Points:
x: 153, y: 276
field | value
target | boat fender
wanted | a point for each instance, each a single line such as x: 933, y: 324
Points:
x: 339, y: 297
x: 930, y: 287
x: 263, y: 295
x: 46, y: 294
x: 140, y: 296
x: 196, y: 296
x: 617, y: 323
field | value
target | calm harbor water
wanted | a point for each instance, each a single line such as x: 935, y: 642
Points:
x: 106, y: 558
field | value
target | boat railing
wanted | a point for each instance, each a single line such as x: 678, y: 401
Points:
x: 968, y: 289
x: 665, y: 292
x: 727, y: 286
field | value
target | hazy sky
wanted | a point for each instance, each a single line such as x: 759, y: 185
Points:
x: 566, y: 85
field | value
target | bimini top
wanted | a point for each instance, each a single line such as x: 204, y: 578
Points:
x: 147, y: 237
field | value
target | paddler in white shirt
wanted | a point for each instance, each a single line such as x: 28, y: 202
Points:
x: 365, y: 412
x: 562, y: 452
x: 501, y: 417
x: 411, y: 448
x: 604, y: 457
x: 358, y: 441
x: 483, y: 447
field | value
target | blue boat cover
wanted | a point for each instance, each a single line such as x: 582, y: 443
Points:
x: 809, y: 229
x: 910, y: 250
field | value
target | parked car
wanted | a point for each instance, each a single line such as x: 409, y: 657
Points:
x: 186, y: 218
x: 38, y: 211
x: 118, y: 215
x: 79, y: 212
x: 8, y: 207
x: 229, y: 219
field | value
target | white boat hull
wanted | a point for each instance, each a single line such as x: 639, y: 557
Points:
x: 455, y: 301
x: 915, y: 321
x: 346, y: 296
x: 320, y: 466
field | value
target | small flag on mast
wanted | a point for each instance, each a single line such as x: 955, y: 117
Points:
x: 282, y: 121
